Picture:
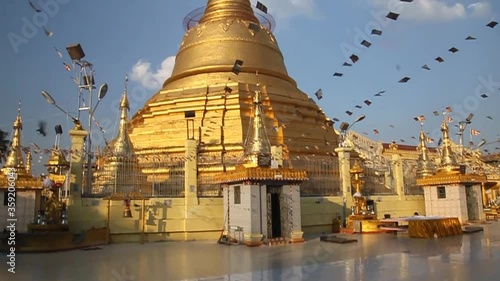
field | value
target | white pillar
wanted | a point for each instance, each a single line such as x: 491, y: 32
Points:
x: 398, y: 172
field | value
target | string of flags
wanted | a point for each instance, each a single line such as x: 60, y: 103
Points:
x: 50, y: 33
x: 354, y: 58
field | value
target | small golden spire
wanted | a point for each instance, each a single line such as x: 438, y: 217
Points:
x: 122, y: 144
x: 448, y: 161
x: 15, y: 158
x: 425, y: 166
x: 257, y: 143
x: 229, y: 9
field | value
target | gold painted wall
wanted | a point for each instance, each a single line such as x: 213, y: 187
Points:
x: 205, y: 221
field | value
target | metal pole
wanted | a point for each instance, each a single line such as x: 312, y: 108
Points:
x: 107, y: 222
x: 143, y: 218
x: 89, y: 138
x: 344, y: 215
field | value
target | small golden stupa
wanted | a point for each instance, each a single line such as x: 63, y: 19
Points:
x: 448, y: 161
x: 425, y: 166
x: 15, y: 161
x: 204, y: 81
x: 117, y: 169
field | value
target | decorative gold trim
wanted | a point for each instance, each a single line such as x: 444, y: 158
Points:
x: 242, y: 173
x: 440, y: 179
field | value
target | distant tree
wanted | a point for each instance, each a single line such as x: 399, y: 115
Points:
x: 4, y: 146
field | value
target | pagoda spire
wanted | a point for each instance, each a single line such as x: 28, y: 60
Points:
x: 229, y: 9
x: 15, y: 158
x: 448, y: 161
x: 425, y: 166
x: 257, y: 142
x: 123, y: 145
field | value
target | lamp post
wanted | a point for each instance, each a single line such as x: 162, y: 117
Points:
x: 86, y: 82
x: 344, y: 128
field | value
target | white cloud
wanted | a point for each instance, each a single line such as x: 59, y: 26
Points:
x: 290, y: 8
x: 434, y: 10
x: 151, y: 78
x: 480, y: 9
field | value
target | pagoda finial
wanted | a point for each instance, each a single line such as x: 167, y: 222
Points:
x: 425, y: 166
x: 15, y: 158
x: 229, y: 9
x: 257, y: 142
x: 448, y: 161
x: 123, y: 145
x: 124, y: 101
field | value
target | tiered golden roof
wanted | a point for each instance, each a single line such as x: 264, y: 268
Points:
x: 242, y: 174
x: 202, y: 81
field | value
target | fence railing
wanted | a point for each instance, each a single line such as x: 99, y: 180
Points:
x: 164, y: 176
x: 379, y: 179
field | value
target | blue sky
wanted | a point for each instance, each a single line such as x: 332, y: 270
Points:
x: 140, y: 38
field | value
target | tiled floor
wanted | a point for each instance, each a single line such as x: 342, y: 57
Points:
x: 384, y: 257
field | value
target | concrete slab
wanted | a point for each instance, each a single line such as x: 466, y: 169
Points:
x: 375, y: 257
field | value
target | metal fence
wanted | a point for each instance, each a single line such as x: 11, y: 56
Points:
x: 324, y: 177
x: 379, y: 179
x: 209, y: 165
x: 410, y: 178
x: 162, y: 175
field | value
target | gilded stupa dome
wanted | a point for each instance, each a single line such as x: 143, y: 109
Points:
x: 218, y: 101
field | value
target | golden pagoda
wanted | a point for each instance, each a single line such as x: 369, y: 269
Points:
x: 425, y: 166
x: 117, y: 169
x: 221, y: 63
x: 16, y: 177
x: 15, y: 160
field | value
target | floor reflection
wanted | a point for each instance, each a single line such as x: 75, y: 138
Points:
x: 373, y: 257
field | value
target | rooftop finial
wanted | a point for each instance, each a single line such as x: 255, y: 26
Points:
x: 124, y: 101
x: 126, y: 82
x: 425, y: 166
x: 448, y: 161
x: 123, y: 145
